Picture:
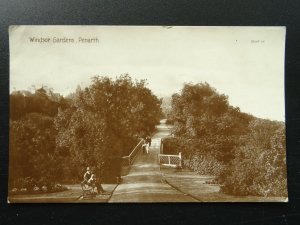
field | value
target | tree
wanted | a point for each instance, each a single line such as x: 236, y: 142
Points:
x: 32, y: 148
x: 217, y: 138
x: 204, y: 121
x: 43, y: 100
x: 105, y: 119
x: 32, y: 135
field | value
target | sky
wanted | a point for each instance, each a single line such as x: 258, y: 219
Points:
x: 244, y: 63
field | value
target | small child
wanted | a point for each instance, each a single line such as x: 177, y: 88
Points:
x: 93, y: 183
x: 92, y: 180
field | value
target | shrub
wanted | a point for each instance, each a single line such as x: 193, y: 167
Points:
x: 44, y: 189
x: 205, y: 165
x: 259, y: 167
x: 23, y: 190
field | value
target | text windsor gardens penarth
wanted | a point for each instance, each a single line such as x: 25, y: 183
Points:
x: 64, y: 40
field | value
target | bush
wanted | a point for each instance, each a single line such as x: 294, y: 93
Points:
x: 44, y: 188
x: 259, y: 167
x: 205, y: 165
x: 171, y: 146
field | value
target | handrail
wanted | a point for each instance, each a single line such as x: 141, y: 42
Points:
x: 133, y: 153
x: 135, y: 148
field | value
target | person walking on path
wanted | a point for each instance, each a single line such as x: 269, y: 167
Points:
x: 145, y: 146
x: 148, y: 140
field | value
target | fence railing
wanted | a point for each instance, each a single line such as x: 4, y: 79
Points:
x: 170, y: 160
x: 127, y: 160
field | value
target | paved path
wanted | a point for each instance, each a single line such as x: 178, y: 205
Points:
x: 144, y: 182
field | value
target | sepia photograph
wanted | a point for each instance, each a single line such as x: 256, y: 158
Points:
x: 146, y: 114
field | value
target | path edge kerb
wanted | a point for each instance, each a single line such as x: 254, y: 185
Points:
x: 178, y: 189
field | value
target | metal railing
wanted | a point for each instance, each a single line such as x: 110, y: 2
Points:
x: 127, y: 160
x: 170, y: 160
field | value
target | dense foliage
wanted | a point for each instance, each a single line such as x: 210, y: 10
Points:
x: 246, y: 154
x: 259, y: 167
x: 33, y: 155
x: 53, y: 138
x: 105, y: 120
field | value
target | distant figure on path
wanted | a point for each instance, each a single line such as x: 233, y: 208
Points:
x: 148, y: 140
x: 145, y: 146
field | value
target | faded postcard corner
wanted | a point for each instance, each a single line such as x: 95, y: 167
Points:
x: 13, y: 28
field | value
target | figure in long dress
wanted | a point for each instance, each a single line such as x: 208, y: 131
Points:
x: 147, y: 148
